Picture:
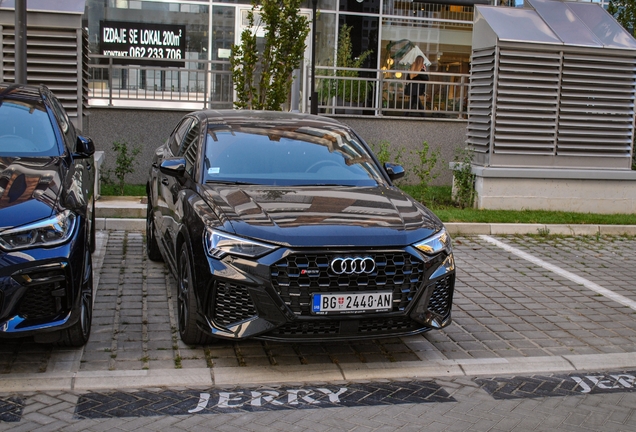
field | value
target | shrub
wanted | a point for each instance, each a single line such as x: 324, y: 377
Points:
x: 124, y: 164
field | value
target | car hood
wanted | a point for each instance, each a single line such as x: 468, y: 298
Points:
x: 322, y: 216
x: 29, y: 189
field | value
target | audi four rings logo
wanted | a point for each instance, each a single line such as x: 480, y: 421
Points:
x: 353, y: 265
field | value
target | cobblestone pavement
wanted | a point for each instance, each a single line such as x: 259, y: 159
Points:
x: 556, y: 307
x: 459, y: 404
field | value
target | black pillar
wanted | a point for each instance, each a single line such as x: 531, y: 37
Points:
x: 20, y: 42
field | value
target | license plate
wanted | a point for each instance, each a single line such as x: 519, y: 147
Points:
x: 324, y: 304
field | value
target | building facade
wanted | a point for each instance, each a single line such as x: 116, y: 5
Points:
x: 200, y: 33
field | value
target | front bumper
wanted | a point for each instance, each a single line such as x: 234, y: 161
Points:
x: 39, y: 288
x: 271, y: 298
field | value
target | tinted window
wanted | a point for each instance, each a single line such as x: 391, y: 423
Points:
x: 178, y: 135
x: 25, y: 129
x: 64, y: 122
x: 190, y: 146
x: 285, y: 156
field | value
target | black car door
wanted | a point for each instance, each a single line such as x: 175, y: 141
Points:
x: 170, y: 187
x: 160, y: 183
x: 79, y: 182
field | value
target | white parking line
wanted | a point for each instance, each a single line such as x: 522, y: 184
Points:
x: 566, y: 274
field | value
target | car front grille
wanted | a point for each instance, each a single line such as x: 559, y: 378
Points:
x: 44, y: 293
x: 345, y: 328
x: 388, y: 325
x: 297, y: 276
x: 308, y: 328
x: 441, y: 299
x: 232, y: 304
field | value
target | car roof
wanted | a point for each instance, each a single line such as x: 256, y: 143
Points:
x: 22, y: 92
x: 266, y: 118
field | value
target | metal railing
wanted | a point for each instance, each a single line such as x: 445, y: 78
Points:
x: 204, y: 84
x: 386, y: 93
x: 201, y: 83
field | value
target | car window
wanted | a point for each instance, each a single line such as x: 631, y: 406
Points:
x: 177, y: 136
x: 26, y: 130
x: 64, y: 122
x: 288, y: 157
x: 60, y: 114
x: 190, y: 146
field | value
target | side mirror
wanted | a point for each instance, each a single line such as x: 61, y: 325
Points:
x: 394, y: 171
x: 174, y: 167
x: 84, y: 148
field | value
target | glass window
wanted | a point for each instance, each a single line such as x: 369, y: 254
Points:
x: 190, y: 147
x: 177, y: 136
x: 65, y: 125
x: 321, y: 5
x: 447, y: 45
x: 326, y: 39
x: 195, y: 17
x: 25, y: 129
x: 223, y: 20
x: 364, y: 36
x: 281, y: 156
x: 361, y: 6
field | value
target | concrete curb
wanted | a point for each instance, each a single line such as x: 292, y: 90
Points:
x: 124, y: 224
x: 454, y: 228
x: 280, y: 375
x: 460, y: 228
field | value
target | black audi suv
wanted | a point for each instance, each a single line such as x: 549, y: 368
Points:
x: 285, y: 226
x: 47, y: 232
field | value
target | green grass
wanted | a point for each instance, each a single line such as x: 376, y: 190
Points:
x: 438, y: 199
x: 129, y: 190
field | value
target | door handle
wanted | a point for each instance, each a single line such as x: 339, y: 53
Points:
x: 164, y: 181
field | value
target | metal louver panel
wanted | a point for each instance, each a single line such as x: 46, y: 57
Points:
x: 56, y: 57
x: 527, y: 102
x: 562, y: 107
x: 481, y: 100
x: 597, y: 106
x: 564, y: 87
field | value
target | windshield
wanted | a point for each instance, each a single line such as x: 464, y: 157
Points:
x: 25, y: 130
x: 287, y: 156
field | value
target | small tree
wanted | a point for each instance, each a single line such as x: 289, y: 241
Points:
x: 124, y: 164
x: 263, y: 80
x: 426, y: 164
x: 625, y: 13
x: 347, y: 90
x: 463, y: 178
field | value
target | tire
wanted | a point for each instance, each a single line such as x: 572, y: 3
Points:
x: 79, y: 333
x: 152, y: 247
x: 187, y: 303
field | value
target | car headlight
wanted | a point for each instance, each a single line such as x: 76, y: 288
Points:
x: 218, y: 244
x: 48, y: 232
x: 435, y: 244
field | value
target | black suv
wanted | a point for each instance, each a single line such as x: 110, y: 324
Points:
x: 285, y: 226
x: 47, y: 230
